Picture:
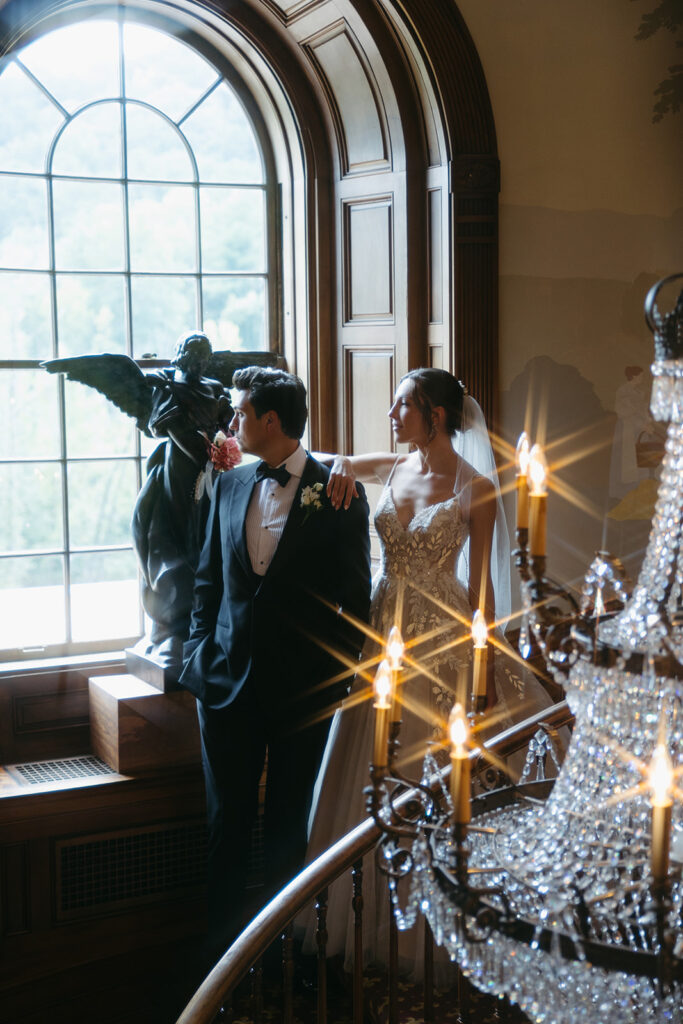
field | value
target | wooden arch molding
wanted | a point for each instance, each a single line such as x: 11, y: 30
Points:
x: 438, y: 133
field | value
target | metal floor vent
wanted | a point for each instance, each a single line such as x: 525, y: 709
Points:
x: 60, y: 771
x: 112, y: 870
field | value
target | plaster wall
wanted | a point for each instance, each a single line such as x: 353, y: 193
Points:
x: 591, y: 215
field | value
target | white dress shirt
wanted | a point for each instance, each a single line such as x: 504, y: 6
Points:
x: 268, y: 510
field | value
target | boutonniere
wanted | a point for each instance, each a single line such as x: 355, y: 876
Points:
x: 224, y: 453
x: 310, y: 500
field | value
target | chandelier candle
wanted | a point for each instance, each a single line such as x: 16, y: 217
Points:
x: 480, y: 636
x: 394, y: 656
x: 566, y: 895
x: 538, y: 497
x: 460, y: 766
x: 382, y: 706
x: 522, y: 461
x: 661, y: 777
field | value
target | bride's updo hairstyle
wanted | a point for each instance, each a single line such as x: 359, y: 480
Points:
x: 431, y: 388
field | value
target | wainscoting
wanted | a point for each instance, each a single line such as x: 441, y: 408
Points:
x: 97, y: 868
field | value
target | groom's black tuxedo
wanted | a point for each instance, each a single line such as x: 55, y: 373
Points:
x: 258, y: 658
x: 267, y: 631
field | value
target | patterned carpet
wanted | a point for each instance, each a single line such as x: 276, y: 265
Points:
x: 465, y: 1005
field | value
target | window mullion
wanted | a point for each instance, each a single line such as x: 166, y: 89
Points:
x: 66, y: 567
x: 128, y: 286
x: 46, y: 92
x: 83, y: 289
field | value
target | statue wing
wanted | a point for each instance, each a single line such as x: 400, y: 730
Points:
x: 223, y: 364
x: 117, y: 377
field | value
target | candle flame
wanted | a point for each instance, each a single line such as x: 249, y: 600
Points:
x: 480, y: 633
x: 537, y: 471
x: 522, y: 454
x: 382, y: 686
x: 394, y: 648
x: 661, y: 775
x: 457, y: 729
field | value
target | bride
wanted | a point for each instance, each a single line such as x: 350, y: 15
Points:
x: 444, y: 554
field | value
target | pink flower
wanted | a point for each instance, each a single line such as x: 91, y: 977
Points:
x: 224, y: 452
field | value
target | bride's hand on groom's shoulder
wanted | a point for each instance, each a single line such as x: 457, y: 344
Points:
x: 341, y: 486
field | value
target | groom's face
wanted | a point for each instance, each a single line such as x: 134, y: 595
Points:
x: 250, y: 430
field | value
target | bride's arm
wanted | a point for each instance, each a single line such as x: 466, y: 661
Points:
x: 481, y: 595
x: 371, y: 468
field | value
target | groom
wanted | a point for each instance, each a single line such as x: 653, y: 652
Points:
x: 277, y: 565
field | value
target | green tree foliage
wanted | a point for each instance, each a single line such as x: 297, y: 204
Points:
x: 666, y: 16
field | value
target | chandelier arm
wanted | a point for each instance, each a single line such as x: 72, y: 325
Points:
x: 567, y: 893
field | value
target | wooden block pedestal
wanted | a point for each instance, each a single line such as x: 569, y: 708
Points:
x: 136, y: 728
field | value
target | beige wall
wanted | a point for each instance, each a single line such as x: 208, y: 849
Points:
x: 591, y: 216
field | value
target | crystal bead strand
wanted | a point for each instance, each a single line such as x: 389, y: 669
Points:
x: 640, y: 623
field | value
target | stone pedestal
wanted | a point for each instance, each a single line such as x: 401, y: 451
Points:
x: 136, y: 728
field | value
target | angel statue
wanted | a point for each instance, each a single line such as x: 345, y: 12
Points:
x: 188, y: 405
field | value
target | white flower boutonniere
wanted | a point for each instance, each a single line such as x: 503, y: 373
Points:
x: 310, y: 499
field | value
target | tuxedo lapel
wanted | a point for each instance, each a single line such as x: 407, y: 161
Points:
x: 241, y: 491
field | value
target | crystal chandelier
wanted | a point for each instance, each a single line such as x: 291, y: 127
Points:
x: 580, y: 913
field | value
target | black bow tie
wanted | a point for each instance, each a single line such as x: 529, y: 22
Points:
x: 279, y: 473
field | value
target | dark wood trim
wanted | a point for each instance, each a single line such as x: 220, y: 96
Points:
x: 466, y: 117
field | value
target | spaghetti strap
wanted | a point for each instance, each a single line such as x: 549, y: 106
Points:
x: 462, y: 487
x: 387, y: 482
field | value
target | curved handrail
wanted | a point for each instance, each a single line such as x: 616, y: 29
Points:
x: 283, y: 908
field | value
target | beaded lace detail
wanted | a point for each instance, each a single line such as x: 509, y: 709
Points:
x: 416, y: 580
x: 429, y: 545
x: 416, y: 587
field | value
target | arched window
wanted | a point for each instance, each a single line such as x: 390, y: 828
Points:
x: 135, y: 205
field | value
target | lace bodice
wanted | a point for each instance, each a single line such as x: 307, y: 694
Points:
x: 427, y: 547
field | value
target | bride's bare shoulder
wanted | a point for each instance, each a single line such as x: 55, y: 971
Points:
x: 483, y: 497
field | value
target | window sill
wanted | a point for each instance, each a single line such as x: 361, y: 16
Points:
x: 64, y: 663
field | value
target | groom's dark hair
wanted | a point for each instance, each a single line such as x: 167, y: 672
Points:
x: 276, y: 390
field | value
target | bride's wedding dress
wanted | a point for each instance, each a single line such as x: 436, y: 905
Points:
x: 416, y: 588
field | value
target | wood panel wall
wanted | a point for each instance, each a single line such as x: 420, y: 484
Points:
x: 413, y: 231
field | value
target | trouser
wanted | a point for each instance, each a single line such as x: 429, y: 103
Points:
x: 235, y: 741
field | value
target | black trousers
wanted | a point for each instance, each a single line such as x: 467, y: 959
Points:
x: 235, y: 741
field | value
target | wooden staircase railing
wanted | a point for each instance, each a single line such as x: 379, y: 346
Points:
x: 276, y: 917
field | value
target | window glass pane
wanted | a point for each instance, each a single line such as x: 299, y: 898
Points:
x: 178, y: 110
x: 88, y: 225
x: 95, y: 426
x: 147, y: 446
x: 29, y: 415
x: 223, y: 140
x: 25, y: 325
x: 23, y: 223
x: 235, y: 312
x: 162, y: 228
x: 91, y: 314
x: 163, y: 309
x: 78, y: 63
x: 155, y: 149
x: 31, y: 602
x: 164, y: 72
x: 28, y: 122
x: 233, y: 229
x: 104, y: 596
x: 90, y: 145
x: 30, y: 507
x: 101, y: 500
